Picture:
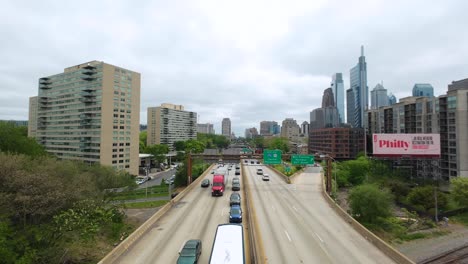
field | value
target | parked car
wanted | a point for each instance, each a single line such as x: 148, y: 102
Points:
x: 235, y: 214
x: 236, y: 186
x: 235, y: 199
x: 205, y: 183
x: 266, y: 177
x: 190, y: 252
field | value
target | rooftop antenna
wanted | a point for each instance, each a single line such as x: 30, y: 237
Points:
x: 362, y: 50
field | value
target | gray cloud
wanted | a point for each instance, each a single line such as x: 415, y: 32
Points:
x: 247, y: 60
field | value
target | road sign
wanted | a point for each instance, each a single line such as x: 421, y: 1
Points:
x: 272, y: 156
x: 245, y: 150
x: 287, y: 169
x: 302, y: 159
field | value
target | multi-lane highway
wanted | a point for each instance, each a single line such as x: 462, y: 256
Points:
x: 196, y: 216
x: 296, y: 225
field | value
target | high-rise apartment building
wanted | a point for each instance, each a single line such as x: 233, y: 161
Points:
x: 205, y: 128
x: 423, y: 89
x: 226, y: 127
x: 91, y: 112
x: 290, y: 129
x: 379, y: 97
x: 360, y: 92
x: 32, y: 124
x: 170, y: 123
x: 337, y: 86
x: 305, y: 128
x: 251, y: 132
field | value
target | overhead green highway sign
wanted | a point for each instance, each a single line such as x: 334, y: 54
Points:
x: 302, y: 159
x: 272, y: 156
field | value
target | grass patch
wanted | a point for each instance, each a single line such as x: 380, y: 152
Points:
x: 281, y: 168
x: 154, y: 191
x: 461, y: 218
x: 149, y: 204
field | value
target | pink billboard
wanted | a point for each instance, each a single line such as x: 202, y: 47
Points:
x: 413, y: 145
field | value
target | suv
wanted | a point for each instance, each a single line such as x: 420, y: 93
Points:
x: 235, y: 199
x: 259, y: 171
x: 190, y: 252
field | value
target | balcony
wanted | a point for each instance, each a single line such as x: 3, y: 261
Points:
x: 44, y: 86
x: 89, y: 89
x: 87, y: 94
x: 88, y: 78
x: 89, y: 71
x: 45, y: 81
x: 88, y: 100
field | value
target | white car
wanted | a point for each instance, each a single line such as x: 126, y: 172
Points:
x: 266, y: 177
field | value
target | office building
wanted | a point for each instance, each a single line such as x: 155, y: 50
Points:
x: 358, y: 103
x: 379, y: 97
x: 290, y: 129
x: 251, y: 132
x: 423, y: 89
x: 90, y: 112
x: 341, y: 143
x: 327, y: 115
x: 392, y: 99
x: 205, y: 128
x: 226, y: 127
x: 305, y: 128
x: 268, y: 128
x: 337, y: 86
x: 170, y: 123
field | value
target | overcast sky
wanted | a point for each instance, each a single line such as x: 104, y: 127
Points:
x: 246, y: 60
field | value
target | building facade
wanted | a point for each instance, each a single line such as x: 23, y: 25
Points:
x: 170, y: 123
x: 205, y: 128
x: 91, y: 112
x: 360, y: 92
x: 379, y: 97
x: 226, y: 127
x: 337, y: 86
x: 305, y: 128
x: 268, y: 128
x: 251, y: 132
x: 423, y: 89
x: 339, y: 142
x: 290, y: 129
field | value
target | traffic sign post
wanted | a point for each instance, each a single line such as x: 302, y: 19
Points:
x: 272, y: 156
x: 302, y: 159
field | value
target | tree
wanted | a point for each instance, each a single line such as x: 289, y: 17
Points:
x: 14, y: 139
x: 278, y: 143
x: 179, y: 145
x: 194, y: 146
x: 369, y: 203
x: 460, y: 191
x: 357, y: 170
x: 423, y: 198
x: 143, y: 139
x: 158, y: 151
x: 259, y: 142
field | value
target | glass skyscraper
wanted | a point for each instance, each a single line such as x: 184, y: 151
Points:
x: 358, y: 85
x: 337, y: 86
x: 423, y: 89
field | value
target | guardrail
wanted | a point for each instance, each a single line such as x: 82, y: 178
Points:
x: 135, y: 236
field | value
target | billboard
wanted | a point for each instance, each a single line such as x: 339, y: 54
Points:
x: 406, y: 145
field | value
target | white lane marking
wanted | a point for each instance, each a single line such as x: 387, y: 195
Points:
x: 295, y: 209
x: 319, y: 237
x: 289, y: 238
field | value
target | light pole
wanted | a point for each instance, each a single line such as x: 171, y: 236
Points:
x: 329, y: 169
x: 146, y: 183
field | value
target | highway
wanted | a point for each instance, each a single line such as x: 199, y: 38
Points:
x: 297, y: 225
x: 196, y: 216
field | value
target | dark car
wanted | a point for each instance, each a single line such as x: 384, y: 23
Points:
x: 235, y: 214
x: 235, y: 199
x: 190, y: 252
x: 237, y: 172
x: 252, y: 162
x: 205, y: 183
x: 236, y: 186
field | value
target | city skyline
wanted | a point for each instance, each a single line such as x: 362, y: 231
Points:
x: 196, y: 53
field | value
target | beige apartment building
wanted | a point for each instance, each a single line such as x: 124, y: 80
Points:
x: 91, y: 112
x: 32, y: 122
x: 169, y: 123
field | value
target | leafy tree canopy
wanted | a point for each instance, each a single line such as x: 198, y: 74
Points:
x: 460, y: 191
x: 277, y: 143
x: 423, y: 197
x: 14, y: 139
x: 369, y: 203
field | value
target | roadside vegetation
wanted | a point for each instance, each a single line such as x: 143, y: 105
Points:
x: 392, y: 205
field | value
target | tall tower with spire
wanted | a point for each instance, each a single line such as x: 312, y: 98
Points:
x: 360, y: 92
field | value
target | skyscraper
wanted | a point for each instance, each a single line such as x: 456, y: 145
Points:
x: 358, y: 84
x: 290, y: 129
x: 423, y: 89
x: 349, y: 106
x: 379, y: 97
x: 392, y: 99
x: 205, y: 128
x: 268, y: 128
x: 32, y: 124
x: 337, y: 86
x: 91, y: 112
x: 170, y: 123
x: 226, y: 127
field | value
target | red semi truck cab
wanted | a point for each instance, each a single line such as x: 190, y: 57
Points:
x: 218, y: 185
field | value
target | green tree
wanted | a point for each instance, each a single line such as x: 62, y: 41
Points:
x: 357, y: 170
x: 369, y: 203
x: 278, y: 143
x: 259, y: 142
x: 423, y: 198
x: 179, y: 145
x: 194, y: 146
x: 460, y: 191
x: 158, y: 151
x: 143, y: 140
x: 14, y: 139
